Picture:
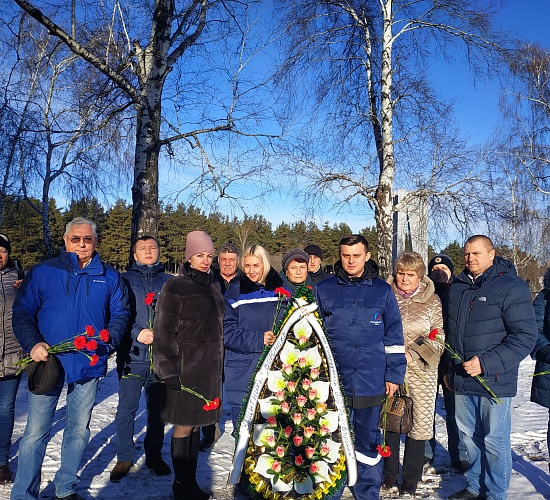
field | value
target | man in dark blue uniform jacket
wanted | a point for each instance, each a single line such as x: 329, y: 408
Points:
x: 363, y: 324
x: 491, y: 327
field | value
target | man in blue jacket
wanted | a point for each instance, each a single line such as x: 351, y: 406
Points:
x: 57, y: 300
x: 363, y: 323
x: 134, y: 363
x: 491, y: 328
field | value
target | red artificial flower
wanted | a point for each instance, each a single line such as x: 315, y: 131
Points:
x: 271, y: 420
x: 309, y: 287
x: 299, y: 460
x: 90, y: 331
x: 149, y: 298
x: 104, y: 335
x: 433, y: 334
x: 282, y: 291
x: 80, y: 342
x: 94, y: 360
x: 91, y: 345
x: 383, y: 450
x: 297, y: 440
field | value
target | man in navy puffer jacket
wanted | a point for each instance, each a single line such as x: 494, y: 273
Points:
x: 491, y: 326
x: 363, y: 323
x: 134, y: 364
x: 57, y: 300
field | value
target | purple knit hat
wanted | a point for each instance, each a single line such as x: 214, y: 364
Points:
x: 198, y: 241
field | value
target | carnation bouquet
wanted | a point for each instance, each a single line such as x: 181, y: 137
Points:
x: 85, y: 343
x: 293, y: 437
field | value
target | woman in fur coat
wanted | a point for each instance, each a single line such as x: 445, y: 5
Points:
x: 421, y: 313
x: 248, y: 323
x: 188, y: 351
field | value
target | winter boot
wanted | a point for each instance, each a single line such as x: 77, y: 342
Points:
x: 184, y: 460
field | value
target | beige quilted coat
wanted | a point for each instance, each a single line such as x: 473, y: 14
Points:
x: 421, y: 313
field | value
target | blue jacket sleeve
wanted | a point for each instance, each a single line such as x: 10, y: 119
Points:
x: 25, y: 311
x: 236, y: 338
x: 119, y: 311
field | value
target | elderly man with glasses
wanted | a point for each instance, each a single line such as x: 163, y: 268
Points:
x: 58, y: 300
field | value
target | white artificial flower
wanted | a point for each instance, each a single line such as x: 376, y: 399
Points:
x: 275, y: 381
x: 289, y: 355
x: 330, y: 419
x: 302, y: 329
x: 267, y: 409
x: 261, y: 432
x: 305, y: 487
x: 323, y: 390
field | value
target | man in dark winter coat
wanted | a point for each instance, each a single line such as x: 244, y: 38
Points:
x: 134, y: 363
x: 491, y: 326
x: 363, y: 323
x: 57, y: 300
x: 315, y: 264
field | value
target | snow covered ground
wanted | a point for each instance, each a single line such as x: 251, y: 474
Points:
x: 530, y: 479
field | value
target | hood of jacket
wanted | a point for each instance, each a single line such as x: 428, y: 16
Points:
x: 500, y: 266
x: 370, y: 272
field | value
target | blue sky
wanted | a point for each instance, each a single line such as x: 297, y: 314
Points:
x: 476, y: 110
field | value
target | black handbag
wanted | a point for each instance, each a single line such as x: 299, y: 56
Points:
x: 396, y: 413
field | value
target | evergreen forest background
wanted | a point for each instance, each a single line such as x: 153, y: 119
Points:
x: 22, y: 224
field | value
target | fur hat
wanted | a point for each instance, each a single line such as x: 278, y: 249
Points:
x: 5, y: 242
x: 441, y: 259
x: 43, y: 375
x: 294, y: 254
x: 198, y: 241
x: 314, y: 250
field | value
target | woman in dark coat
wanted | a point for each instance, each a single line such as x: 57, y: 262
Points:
x: 188, y: 351
x: 540, y: 389
x: 248, y: 323
x: 10, y: 353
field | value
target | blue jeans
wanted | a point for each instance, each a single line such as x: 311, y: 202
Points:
x: 79, y: 403
x: 129, y: 393
x: 486, y: 427
x: 455, y: 443
x: 8, y: 392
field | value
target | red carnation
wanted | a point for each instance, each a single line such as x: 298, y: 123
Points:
x: 149, y: 298
x: 104, y: 335
x: 383, y: 450
x: 433, y: 334
x: 91, y: 345
x: 94, y: 360
x: 90, y: 331
x: 80, y: 342
x: 216, y: 403
x: 282, y: 291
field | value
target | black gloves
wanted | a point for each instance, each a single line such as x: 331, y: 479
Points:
x: 173, y: 383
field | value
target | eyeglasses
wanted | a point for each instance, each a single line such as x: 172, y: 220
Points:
x: 87, y: 239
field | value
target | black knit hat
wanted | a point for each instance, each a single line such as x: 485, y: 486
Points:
x: 5, y: 242
x: 314, y: 250
x: 294, y: 254
x: 43, y: 375
x: 441, y: 259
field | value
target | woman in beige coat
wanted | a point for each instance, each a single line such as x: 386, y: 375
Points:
x: 421, y: 313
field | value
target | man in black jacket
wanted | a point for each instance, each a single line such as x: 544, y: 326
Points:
x: 491, y: 328
x: 134, y: 361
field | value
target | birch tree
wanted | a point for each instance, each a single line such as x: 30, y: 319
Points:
x: 369, y: 65
x: 63, y: 138
x: 137, y: 46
